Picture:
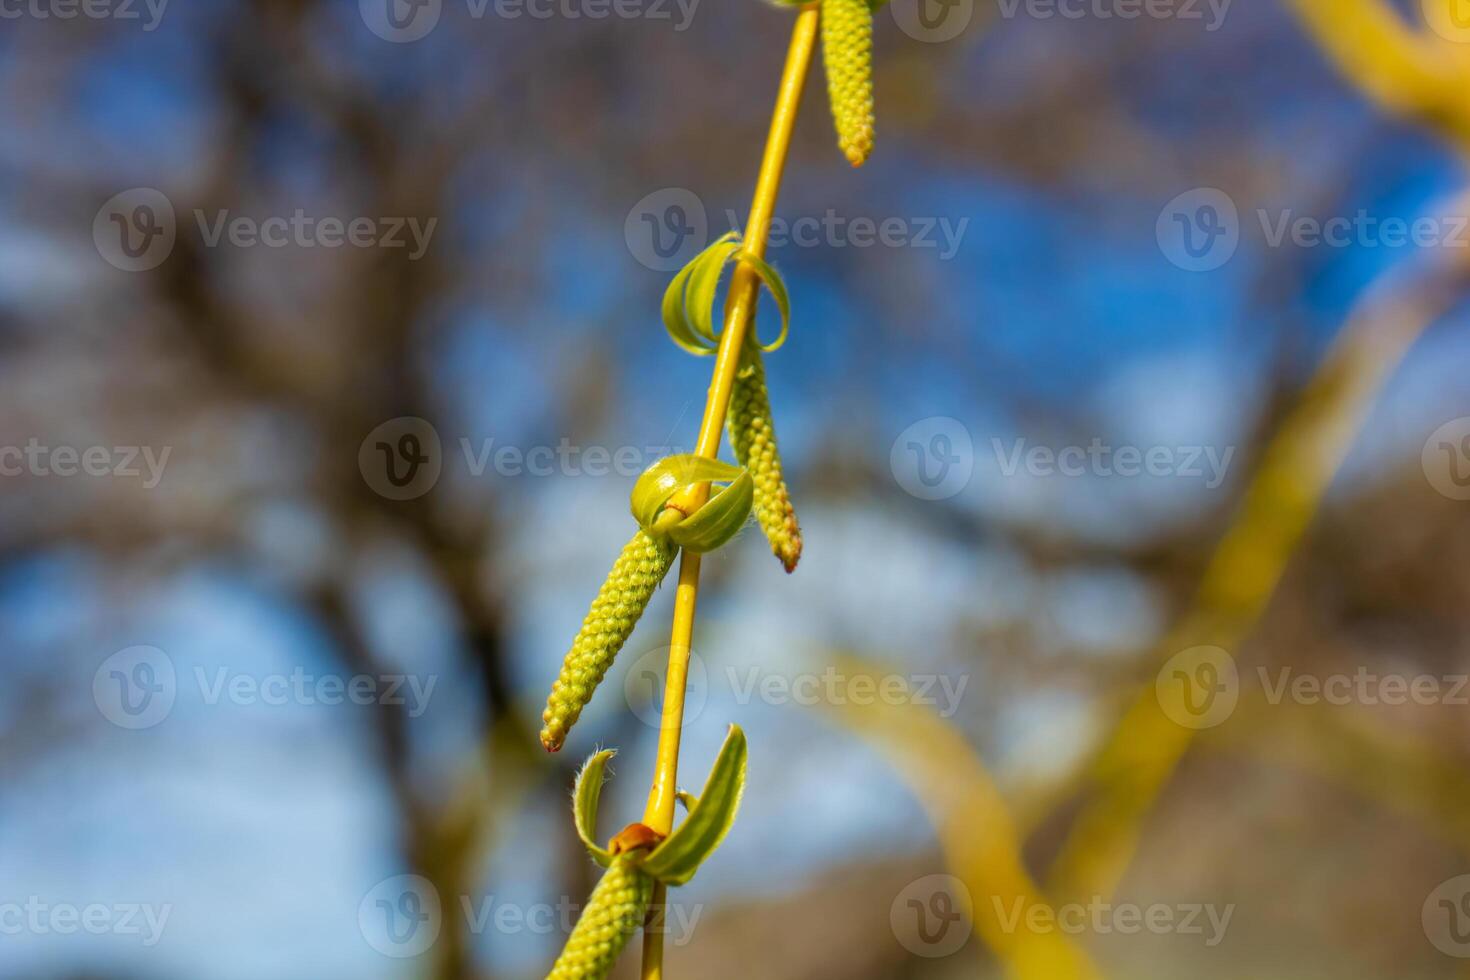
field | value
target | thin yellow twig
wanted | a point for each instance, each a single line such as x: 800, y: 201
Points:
x: 739, y: 311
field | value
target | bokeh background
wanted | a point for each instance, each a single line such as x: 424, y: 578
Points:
x: 1144, y: 506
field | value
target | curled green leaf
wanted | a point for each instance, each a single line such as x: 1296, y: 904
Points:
x: 719, y: 519
x: 657, y: 485
x: 586, y: 796
x: 710, y: 817
x: 689, y: 302
x: 714, y: 523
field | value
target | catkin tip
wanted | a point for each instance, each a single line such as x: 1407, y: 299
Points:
x: 788, y: 562
x: 552, y: 741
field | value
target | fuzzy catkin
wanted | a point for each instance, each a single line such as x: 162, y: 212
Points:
x: 620, y: 602
x: 753, y: 434
x: 612, y: 914
x: 847, y: 51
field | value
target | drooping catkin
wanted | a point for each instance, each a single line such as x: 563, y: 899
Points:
x: 847, y: 51
x: 612, y: 914
x: 619, y: 604
x: 753, y: 434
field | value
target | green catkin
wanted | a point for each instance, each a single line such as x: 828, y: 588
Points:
x: 753, y: 434
x: 620, y: 602
x: 613, y: 914
x: 847, y: 51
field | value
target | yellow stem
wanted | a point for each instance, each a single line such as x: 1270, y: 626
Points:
x: 739, y: 311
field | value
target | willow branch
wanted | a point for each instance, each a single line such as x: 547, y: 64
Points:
x: 739, y: 312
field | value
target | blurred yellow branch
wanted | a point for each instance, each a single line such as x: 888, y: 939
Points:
x: 1131, y: 770
x: 1407, y: 70
x: 979, y: 841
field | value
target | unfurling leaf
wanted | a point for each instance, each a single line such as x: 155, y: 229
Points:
x: 586, y: 795
x: 710, y: 817
x: 714, y: 523
x: 689, y: 300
